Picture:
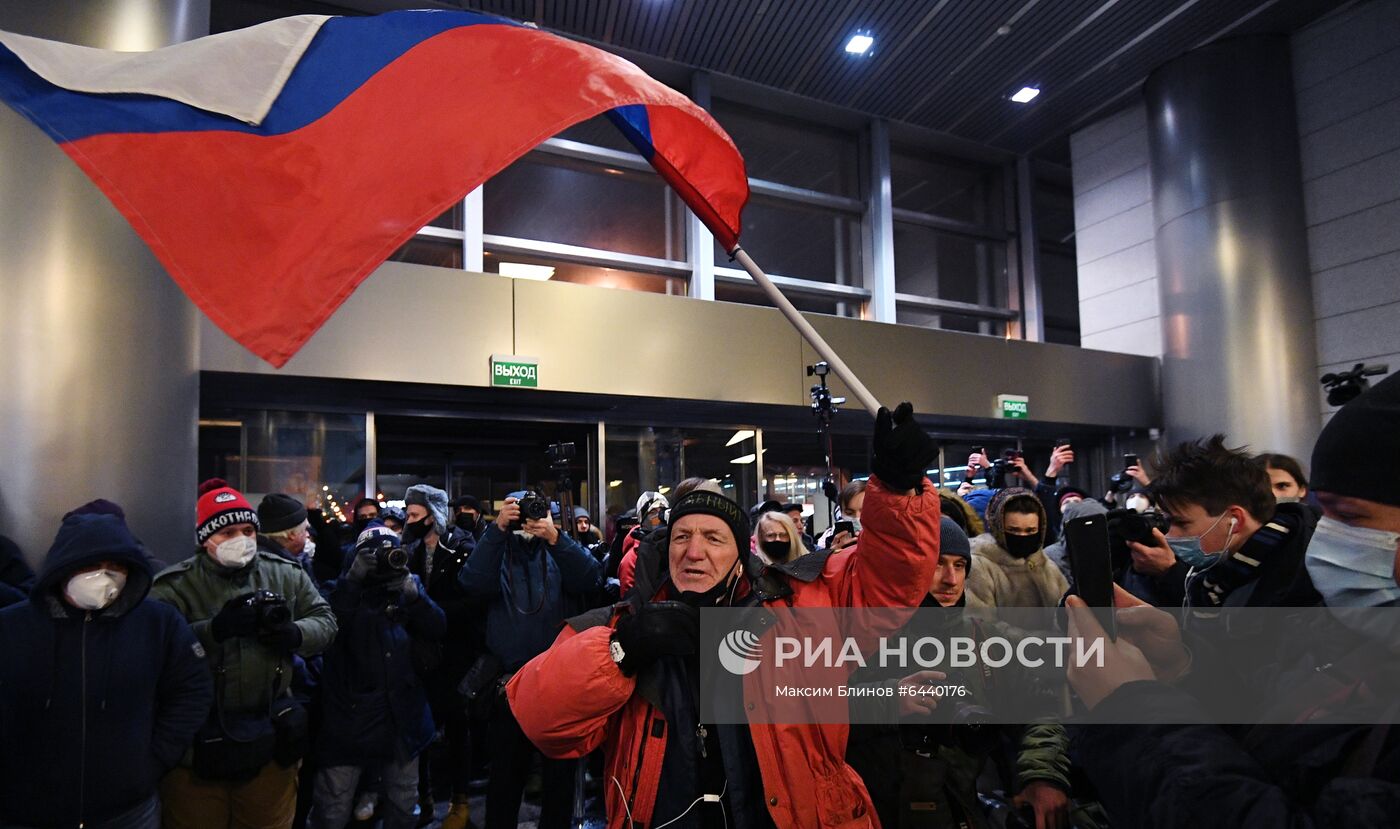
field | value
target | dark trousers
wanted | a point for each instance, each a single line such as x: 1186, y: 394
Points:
x: 512, y: 757
x: 449, y: 712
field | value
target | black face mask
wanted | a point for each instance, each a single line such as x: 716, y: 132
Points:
x: 715, y: 595
x: 777, y: 551
x: 416, y: 530
x: 1022, y: 546
x: 465, y: 521
x: 361, y: 523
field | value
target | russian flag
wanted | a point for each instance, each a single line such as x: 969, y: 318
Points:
x: 272, y: 169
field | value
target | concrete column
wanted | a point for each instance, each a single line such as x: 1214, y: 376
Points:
x: 100, y: 377
x: 1237, y: 319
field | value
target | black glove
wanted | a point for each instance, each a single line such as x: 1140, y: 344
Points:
x: 236, y: 618
x: 283, y: 638
x: 658, y: 629
x: 364, y: 564
x: 902, y: 450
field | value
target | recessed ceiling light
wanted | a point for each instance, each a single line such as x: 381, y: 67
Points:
x: 859, y: 44
x: 740, y: 436
x: 1026, y: 95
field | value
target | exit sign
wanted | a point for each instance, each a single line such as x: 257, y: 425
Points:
x: 518, y: 372
x: 1013, y: 406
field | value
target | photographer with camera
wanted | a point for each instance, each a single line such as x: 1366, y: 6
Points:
x: 531, y: 577
x: 619, y: 677
x: 1238, y: 545
x: 251, y: 611
x: 468, y: 516
x: 924, y: 768
x: 437, y: 552
x: 376, y: 709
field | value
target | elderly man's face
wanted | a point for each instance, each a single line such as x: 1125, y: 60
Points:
x: 703, y: 552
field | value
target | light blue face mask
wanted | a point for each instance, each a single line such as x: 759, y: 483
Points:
x: 1353, y: 566
x: 1188, y: 547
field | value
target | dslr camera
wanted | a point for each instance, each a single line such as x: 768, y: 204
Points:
x: 271, y: 608
x: 1122, y: 481
x: 1002, y: 467
x: 533, y: 507
x: 391, y: 558
x: 1126, y: 525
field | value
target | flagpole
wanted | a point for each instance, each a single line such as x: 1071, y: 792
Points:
x: 807, y: 331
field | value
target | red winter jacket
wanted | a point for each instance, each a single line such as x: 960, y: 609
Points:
x: 572, y: 698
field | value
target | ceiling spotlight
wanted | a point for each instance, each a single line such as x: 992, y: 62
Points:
x: 1026, y: 95
x: 859, y: 44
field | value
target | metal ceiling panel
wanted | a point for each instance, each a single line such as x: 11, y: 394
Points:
x: 936, y: 64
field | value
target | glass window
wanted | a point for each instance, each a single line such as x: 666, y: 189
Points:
x: 939, y: 265
x: 452, y: 219
x: 303, y: 454
x: 793, y: 152
x: 553, y: 199
x: 1054, y: 213
x: 751, y: 294
x: 795, y: 465
x: 1059, y: 280
x: 641, y: 458
x: 589, y: 275
x: 599, y: 132
x: 801, y: 241
x: 925, y: 318
x: 950, y: 189
x: 425, y: 250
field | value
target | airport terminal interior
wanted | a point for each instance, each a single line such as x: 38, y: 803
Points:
x: 1109, y: 225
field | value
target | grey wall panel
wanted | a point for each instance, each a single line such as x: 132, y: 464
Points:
x: 1347, y: 68
x: 1100, y: 134
x: 1113, y: 160
x: 948, y: 374
x: 410, y: 323
x: 1350, y: 141
x: 1355, y: 236
x: 1112, y: 197
x: 1131, y: 227
x: 1364, y: 87
x: 1363, y: 185
x: 1117, y: 271
x: 1129, y: 304
x: 625, y: 342
x: 1340, y: 43
x: 1365, y: 284
x: 101, y: 390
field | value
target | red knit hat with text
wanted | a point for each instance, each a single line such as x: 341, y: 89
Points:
x: 220, y: 506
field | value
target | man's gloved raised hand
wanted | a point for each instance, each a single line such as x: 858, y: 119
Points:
x: 657, y: 629
x: 902, y: 450
x: 362, y: 566
x: 236, y: 618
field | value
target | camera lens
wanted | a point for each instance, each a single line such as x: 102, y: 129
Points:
x: 275, y: 615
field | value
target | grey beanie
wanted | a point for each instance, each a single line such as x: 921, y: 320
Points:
x: 431, y: 498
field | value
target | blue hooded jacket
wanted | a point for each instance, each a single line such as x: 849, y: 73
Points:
x: 530, y: 588
x: 94, y: 706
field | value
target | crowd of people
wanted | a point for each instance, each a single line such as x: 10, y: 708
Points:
x: 294, y: 672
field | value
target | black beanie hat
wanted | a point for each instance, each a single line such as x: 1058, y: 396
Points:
x: 704, y: 502
x: 278, y: 512
x: 469, y: 501
x: 1347, y: 457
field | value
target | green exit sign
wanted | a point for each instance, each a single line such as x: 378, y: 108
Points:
x: 1013, y: 406
x: 516, y: 372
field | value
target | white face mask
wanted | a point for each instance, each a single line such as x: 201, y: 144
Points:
x: 94, y: 589
x: 309, y: 549
x: 1353, y: 566
x: 237, y: 551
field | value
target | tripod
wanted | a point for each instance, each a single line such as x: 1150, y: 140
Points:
x: 824, y: 407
